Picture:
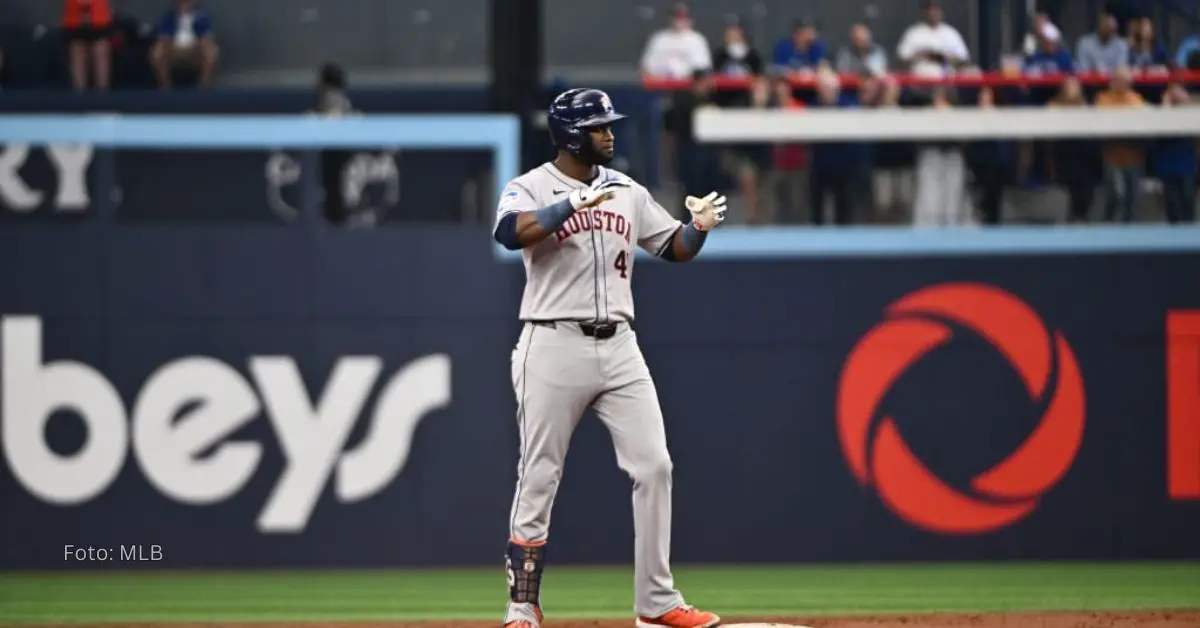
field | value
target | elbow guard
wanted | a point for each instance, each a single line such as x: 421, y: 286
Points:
x: 506, y: 232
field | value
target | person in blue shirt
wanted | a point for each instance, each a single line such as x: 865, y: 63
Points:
x: 1188, y: 55
x: 1145, y: 51
x: 1175, y: 165
x: 1050, y: 57
x: 186, y: 45
x: 803, y: 50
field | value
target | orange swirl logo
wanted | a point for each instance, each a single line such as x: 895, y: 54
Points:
x: 878, y: 456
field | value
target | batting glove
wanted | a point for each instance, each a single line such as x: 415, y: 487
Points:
x: 597, y: 193
x: 707, y: 212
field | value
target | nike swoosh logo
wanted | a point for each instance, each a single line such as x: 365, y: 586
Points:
x: 560, y: 191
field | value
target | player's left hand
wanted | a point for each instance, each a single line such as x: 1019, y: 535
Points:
x: 707, y: 212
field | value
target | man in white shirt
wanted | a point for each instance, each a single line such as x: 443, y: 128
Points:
x: 677, y: 51
x: 932, y: 47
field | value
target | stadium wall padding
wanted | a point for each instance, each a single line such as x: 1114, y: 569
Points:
x: 774, y: 377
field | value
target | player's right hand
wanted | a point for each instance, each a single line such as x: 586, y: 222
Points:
x: 597, y: 193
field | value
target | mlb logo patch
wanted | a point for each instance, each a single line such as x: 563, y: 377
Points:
x: 510, y: 198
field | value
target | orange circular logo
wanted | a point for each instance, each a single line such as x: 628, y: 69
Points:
x: 878, y: 456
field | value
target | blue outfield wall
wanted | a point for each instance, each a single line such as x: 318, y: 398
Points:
x: 749, y: 358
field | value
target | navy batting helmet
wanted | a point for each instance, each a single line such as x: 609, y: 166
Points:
x: 575, y: 111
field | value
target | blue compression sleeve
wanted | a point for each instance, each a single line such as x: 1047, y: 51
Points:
x: 550, y: 217
x: 692, y: 238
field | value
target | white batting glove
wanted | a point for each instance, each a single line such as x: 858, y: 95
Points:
x: 707, y: 212
x: 597, y: 193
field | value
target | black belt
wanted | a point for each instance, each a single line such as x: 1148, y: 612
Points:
x: 599, y: 331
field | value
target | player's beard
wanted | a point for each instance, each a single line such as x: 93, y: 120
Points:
x: 592, y: 156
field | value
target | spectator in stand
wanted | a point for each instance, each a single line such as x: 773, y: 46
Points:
x: 1072, y: 162
x: 1188, y: 55
x: 1175, y: 164
x: 869, y: 95
x: 745, y: 162
x: 894, y: 161
x: 941, y: 196
x: 1124, y: 159
x: 839, y: 169
x: 787, y: 179
x: 932, y: 47
x: 862, y: 57
x: 1039, y: 26
x: 1050, y: 57
x: 1021, y: 95
x: 1104, y: 50
x: 801, y: 53
x: 870, y: 92
x: 677, y: 51
x: 1145, y: 52
x: 1148, y: 55
x: 693, y: 159
x: 87, y: 26
x: 737, y: 56
x: 992, y: 162
x: 186, y: 48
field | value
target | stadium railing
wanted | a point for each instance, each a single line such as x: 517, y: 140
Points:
x: 963, y: 122
x: 961, y: 79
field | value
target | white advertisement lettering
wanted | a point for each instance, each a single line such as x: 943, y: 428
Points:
x: 192, y: 405
x: 70, y: 163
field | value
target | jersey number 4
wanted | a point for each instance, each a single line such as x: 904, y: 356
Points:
x: 622, y: 265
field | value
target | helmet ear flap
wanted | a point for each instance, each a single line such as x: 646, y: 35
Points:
x: 568, y: 137
x: 578, y: 138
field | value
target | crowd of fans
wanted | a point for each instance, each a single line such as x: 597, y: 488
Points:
x: 926, y: 183
x: 843, y: 183
x: 177, y: 49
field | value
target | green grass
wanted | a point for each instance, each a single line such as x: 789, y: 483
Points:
x: 593, y: 593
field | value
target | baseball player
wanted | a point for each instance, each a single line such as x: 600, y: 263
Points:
x: 576, y: 222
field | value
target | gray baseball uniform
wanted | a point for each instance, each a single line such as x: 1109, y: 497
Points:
x: 575, y: 279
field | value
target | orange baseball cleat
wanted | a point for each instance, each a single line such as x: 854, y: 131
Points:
x: 683, y: 617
